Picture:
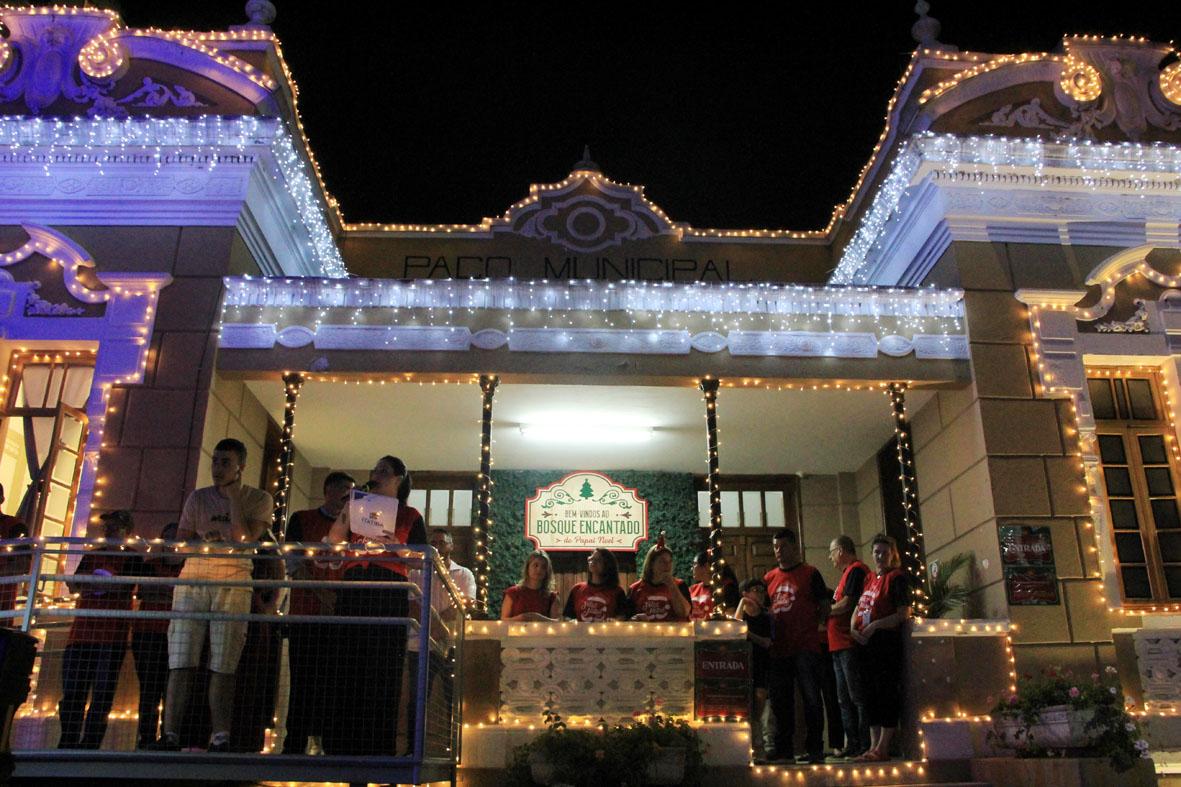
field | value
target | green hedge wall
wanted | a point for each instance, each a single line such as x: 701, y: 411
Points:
x: 672, y: 507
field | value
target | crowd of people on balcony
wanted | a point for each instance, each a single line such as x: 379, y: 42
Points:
x: 838, y: 648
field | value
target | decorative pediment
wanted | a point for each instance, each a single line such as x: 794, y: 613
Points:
x: 1097, y: 88
x: 586, y: 212
x: 72, y: 260
x: 70, y: 61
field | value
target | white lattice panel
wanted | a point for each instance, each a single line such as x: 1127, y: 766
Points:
x: 1158, y: 653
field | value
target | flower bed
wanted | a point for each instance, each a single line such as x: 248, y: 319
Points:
x: 1056, y: 715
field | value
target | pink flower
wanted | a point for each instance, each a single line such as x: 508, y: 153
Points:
x: 1013, y: 699
x: 1074, y: 692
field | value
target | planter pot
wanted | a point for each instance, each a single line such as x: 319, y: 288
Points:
x: 540, y: 768
x: 1059, y: 727
x: 667, y: 766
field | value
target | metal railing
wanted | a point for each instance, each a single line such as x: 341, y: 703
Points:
x: 344, y: 660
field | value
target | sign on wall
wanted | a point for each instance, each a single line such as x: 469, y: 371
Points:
x: 584, y: 511
x: 1027, y: 554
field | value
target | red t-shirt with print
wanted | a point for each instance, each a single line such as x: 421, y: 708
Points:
x: 702, y: 600
x: 526, y: 600
x: 883, y: 595
x: 653, y: 601
x: 594, y: 603
x: 795, y: 595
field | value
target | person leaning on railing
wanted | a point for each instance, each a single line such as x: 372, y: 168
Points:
x: 222, y: 515
x: 369, y: 662
x: 659, y: 595
x: 312, y: 689
x: 877, y: 627
x: 600, y: 597
x: 96, y: 645
x: 149, y: 636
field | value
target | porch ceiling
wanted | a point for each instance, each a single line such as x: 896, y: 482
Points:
x: 436, y: 427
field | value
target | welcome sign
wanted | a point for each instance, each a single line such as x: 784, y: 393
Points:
x: 584, y: 511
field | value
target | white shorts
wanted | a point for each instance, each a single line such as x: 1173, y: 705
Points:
x: 186, y: 637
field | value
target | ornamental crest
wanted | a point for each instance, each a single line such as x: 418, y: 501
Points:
x: 585, y: 213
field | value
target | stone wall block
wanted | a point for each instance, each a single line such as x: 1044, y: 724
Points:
x: 983, y: 266
x: 1089, y: 619
x: 925, y: 424
x: 1041, y: 624
x: 1042, y: 266
x: 180, y: 358
x: 996, y: 317
x: 1068, y: 561
x: 1068, y: 493
x: 959, y: 446
x: 189, y: 304
x: 162, y: 479
x: 938, y: 520
x: 158, y: 418
x: 1014, y: 426
x: 1019, y: 486
x: 1001, y: 370
x: 204, y: 251
x: 117, y: 476
x: 971, y: 498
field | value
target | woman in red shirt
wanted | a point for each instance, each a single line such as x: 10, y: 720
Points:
x: 600, y: 597
x: 877, y: 627
x: 659, y: 595
x: 371, y: 659
x: 534, y: 597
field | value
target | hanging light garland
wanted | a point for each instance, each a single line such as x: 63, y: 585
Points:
x: 285, y: 462
x: 709, y: 388
x: 913, y: 552
x: 483, y: 527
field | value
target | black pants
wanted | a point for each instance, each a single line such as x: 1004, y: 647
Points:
x: 150, y: 650
x: 882, y: 667
x: 370, y: 660
x: 783, y: 674
x: 88, y: 670
x: 314, y: 677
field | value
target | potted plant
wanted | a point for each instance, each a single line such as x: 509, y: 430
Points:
x: 1056, y: 714
x: 944, y: 596
x: 651, y: 749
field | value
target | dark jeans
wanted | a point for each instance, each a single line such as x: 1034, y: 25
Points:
x: 370, y: 660
x: 313, y: 683
x: 882, y: 665
x: 805, y: 669
x: 851, y: 695
x: 88, y: 670
x: 832, y: 710
x: 150, y: 650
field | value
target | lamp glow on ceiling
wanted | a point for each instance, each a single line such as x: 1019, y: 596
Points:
x: 578, y: 428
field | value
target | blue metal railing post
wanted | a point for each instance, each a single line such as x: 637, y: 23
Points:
x: 424, y: 654
x: 31, y: 599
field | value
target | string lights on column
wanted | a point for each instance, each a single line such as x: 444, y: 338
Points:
x: 709, y: 388
x: 285, y: 463
x: 483, y: 528
x: 914, y: 559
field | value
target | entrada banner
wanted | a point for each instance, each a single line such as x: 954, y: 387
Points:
x: 584, y: 511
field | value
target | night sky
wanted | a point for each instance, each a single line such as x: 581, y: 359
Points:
x: 753, y: 118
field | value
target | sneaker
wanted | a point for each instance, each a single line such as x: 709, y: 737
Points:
x: 810, y: 759
x: 169, y: 741
x: 219, y: 743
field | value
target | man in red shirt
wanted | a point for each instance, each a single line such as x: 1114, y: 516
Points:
x: 799, y: 604
x: 850, y: 682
